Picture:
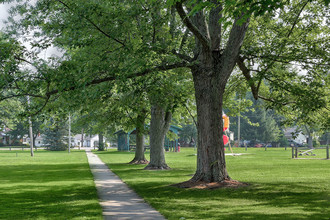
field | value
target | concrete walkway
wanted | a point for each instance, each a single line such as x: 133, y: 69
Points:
x: 117, y: 200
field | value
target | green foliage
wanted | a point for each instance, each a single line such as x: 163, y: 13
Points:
x: 293, y: 61
x: 258, y: 124
x: 8, y: 112
x: 118, y: 56
x: 97, y: 49
x: 188, y: 134
x: 54, y: 135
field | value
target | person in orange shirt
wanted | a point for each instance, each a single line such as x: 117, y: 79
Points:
x: 225, y: 119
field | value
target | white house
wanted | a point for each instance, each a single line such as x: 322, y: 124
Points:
x: 39, y: 142
x: 89, y: 140
x: 297, y: 137
x: 5, y: 137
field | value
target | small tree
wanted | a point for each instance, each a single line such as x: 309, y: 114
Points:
x: 54, y: 135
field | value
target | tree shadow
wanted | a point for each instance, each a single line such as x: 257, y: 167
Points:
x: 47, y: 187
x: 60, y: 202
x: 30, y: 173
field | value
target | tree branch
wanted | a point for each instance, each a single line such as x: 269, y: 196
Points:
x: 247, y: 75
x: 112, y: 78
x: 274, y: 101
x: 214, y: 26
x: 296, y: 20
x: 93, y: 24
x: 184, y: 39
x: 281, y: 59
x: 22, y: 94
x: 24, y: 60
x: 231, y: 52
x: 190, y: 114
x: 183, y: 56
x: 167, y: 120
x: 198, y: 34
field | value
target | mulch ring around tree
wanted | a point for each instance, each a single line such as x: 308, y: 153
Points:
x: 213, y: 185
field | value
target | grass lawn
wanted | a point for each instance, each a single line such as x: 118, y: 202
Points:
x: 51, y: 185
x: 280, y: 187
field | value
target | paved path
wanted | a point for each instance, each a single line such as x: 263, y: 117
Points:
x: 117, y: 200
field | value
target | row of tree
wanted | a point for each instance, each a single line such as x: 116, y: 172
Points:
x: 125, y: 63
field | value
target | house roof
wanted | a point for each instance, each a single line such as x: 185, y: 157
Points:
x: 289, y: 131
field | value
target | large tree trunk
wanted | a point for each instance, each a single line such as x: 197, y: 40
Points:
x: 34, y: 141
x: 210, y: 75
x: 211, y: 165
x: 309, y: 138
x: 101, y: 144
x: 159, y: 125
x: 139, y: 157
x: 139, y: 150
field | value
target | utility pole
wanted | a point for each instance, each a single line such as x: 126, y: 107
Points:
x: 69, y: 132
x: 82, y: 138
x: 30, y: 130
x: 239, y: 130
x: 239, y: 124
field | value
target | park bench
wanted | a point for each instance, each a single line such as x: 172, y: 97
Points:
x: 307, y: 153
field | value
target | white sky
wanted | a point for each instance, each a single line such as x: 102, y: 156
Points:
x: 4, y: 7
x: 3, y: 14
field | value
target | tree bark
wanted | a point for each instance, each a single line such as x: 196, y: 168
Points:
x: 139, y: 150
x: 101, y: 144
x: 159, y: 125
x: 34, y: 141
x: 310, y: 138
x: 210, y: 75
x: 211, y: 165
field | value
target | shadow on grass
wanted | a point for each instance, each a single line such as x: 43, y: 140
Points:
x: 60, y: 202
x: 271, y: 201
x: 269, y: 198
x: 44, y: 173
x: 50, y: 185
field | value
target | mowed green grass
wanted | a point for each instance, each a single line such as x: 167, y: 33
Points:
x: 280, y: 187
x: 50, y: 185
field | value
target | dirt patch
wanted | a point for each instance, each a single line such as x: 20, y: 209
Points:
x: 212, y: 185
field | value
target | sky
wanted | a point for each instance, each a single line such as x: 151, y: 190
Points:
x: 52, y: 51
x: 3, y: 14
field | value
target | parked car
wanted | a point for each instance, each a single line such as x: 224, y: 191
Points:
x: 295, y: 144
x: 259, y: 145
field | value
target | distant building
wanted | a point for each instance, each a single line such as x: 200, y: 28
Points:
x: 5, y: 137
x: 88, y: 140
x: 39, y: 141
x: 294, y: 135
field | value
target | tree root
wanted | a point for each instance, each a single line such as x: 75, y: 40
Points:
x: 154, y: 167
x: 134, y: 161
x: 210, y: 185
